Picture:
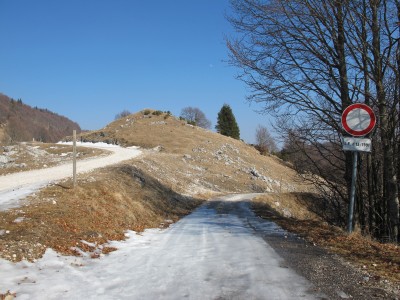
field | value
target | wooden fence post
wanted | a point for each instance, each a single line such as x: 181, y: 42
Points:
x: 74, y: 158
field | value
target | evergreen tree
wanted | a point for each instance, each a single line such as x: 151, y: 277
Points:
x: 226, y: 124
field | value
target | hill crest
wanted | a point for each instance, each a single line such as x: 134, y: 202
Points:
x: 193, y: 160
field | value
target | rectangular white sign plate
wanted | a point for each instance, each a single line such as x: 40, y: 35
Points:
x: 356, y: 144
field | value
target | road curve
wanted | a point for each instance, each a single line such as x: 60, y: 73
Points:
x: 15, y: 186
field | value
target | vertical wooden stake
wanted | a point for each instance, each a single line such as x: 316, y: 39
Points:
x: 74, y: 158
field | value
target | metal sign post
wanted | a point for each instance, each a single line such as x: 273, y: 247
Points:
x: 357, y: 120
x: 352, y: 193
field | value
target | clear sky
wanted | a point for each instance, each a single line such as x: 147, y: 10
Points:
x: 90, y: 59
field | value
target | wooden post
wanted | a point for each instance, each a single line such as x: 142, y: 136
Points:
x: 74, y: 158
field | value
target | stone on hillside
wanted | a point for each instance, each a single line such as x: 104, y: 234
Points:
x: 158, y: 148
x: 254, y: 172
x: 4, y: 159
x: 286, y: 213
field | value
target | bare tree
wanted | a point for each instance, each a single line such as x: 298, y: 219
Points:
x: 195, y: 116
x: 265, y: 142
x: 122, y: 114
x: 305, y: 61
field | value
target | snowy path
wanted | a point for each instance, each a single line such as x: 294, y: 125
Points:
x: 214, y: 253
x: 15, y: 186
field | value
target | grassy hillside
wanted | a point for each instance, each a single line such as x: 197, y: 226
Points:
x: 193, y: 160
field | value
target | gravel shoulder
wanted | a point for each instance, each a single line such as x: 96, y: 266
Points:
x: 330, y: 275
x: 328, y: 272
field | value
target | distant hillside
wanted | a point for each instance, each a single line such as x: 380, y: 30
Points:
x: 20, y: 122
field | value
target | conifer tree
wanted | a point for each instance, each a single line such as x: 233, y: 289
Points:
x: 226, y: 124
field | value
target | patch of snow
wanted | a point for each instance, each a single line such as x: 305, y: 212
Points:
x: 19, y: 220
x: 35, y: 151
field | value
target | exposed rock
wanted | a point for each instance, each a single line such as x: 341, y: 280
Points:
x: 4, y: 160
x: 158, y: 148
x: 286, y: 213
x: 254, y: 172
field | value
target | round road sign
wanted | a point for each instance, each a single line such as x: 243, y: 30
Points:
x: 358, y: 119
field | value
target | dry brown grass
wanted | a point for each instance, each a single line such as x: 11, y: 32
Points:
x: 197, y: 158
x: 101, y: 208
x: 380, y: 260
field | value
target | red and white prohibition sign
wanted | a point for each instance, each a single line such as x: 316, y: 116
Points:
x: 358, y: 119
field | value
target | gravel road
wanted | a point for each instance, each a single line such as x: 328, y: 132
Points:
x: 16, y: 186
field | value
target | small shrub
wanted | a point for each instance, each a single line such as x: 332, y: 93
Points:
x: 146, y: 112
x: 157, y: 112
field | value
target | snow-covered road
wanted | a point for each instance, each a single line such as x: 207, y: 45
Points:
x: 15, y: 186
x: 214, y: 253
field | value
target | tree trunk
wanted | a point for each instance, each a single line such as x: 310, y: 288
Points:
x: 389, y: 173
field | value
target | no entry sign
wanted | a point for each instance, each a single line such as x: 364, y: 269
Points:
x: 358, y: 119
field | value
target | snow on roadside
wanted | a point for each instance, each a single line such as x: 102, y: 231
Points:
x: 16, y: 186
x: 206, y: 255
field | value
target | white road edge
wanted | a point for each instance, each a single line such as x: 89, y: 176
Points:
x: 15, y: 187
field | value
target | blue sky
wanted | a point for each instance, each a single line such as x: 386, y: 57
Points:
x: 90, y: 59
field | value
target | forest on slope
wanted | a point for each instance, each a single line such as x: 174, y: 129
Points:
x: 20, y: 122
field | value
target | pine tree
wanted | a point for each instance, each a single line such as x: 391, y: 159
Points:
x: 226, y: 124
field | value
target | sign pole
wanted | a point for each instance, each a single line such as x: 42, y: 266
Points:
x: 358, y: 120
x: 352, y: 192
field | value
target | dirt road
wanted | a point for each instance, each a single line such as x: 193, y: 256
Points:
x: 15, y: 186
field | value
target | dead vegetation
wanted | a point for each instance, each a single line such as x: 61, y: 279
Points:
x: 100, y: 209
